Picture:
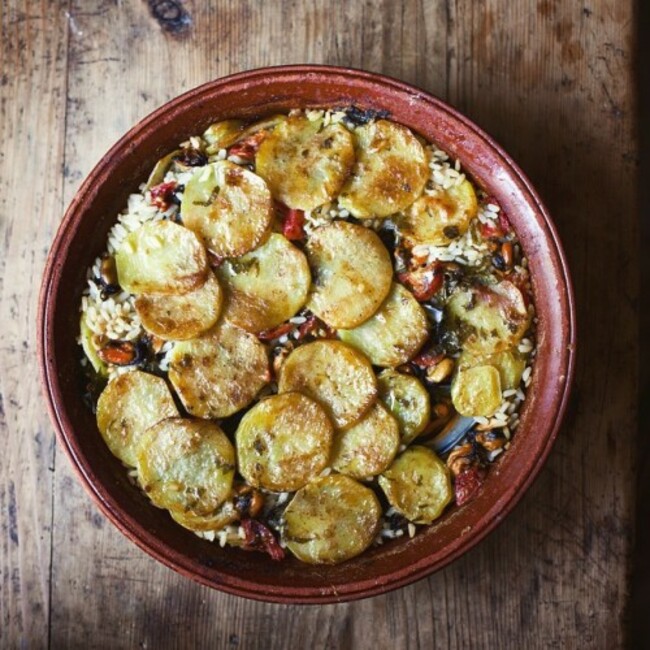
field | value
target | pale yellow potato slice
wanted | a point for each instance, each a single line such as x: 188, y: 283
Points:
x: 283, y: 442
x: 181, y: 316
x: 229, y: 207
x: 224, y: 515
x: 417, y: 485
x: 408, y: 400
x: 331, y: 519
x: 490, y: 318
x: 368, y: 447
x: 390, y: 172
x: 129, y: 405
x: 220, y: 372
x: 221, y: 135
x: 161, y: 257
x: 477, y: 391
x: 352, y: 273
x: 439, y: 219
x: 304, y: 163
x: 510, y: 364
x: 395, y: 333
x: 89, y: 348
x: 186, y: 466
x: 337, y: 376
x: 266, y: 286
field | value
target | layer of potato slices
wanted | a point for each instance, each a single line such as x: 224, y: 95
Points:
x: 395, y: 333
x: 417, y: 485
x: 336, y: 375
x: 224, y: 515
x: 408, y: 400
x: 220, y: 372
x: 186, y: 466
x: 441, y: 218
x: 489, y: 318
x: 304, y: 163
x: 181, y: 316
x: 161, y: 257
x: 229, y: 207
x: 368, y: 447
x: 352, y: 273
x: 331, y: 519
x: 476, y: 391
x: 130, y: 404
x: 390, y: 171
x: 283, y: 442
x: 510, y: 364
x: 266, y: 286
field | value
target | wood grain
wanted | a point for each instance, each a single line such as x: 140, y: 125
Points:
x: 552, y: 81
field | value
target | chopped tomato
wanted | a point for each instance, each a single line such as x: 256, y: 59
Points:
x: 247, y: 148
x: 425, y: 282
x: 467, y: 484
x: 276, y: 332
x: 428, y: 359
x: 293, y: 221
x: 162, y: 196
x: 260, y: 538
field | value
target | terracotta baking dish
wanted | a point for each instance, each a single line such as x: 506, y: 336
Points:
x: 82, y: 236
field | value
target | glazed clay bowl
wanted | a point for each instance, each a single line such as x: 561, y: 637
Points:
x: 82, y: 237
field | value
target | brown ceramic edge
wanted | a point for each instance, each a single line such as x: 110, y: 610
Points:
x: 368, y: 587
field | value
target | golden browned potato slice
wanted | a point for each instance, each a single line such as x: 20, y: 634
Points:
x: 220, y: 372
x: 182, y: 316
x: 490, y: 318
x: 224, y: 515
x: 331, y: 519
x: 304, y: 164
x: 157, y: 175
x: 283, y: 442
x: 161, y: 257
x: 228, y: 206
x: 395, y: 333
x: 337, y: 376
x: 368, y: 447
x: 390, y: 171
x: 510, y: 364
x: 408, y: 400
x: 89, y: 348
x: 221, y: 135
x: 352, y: 273
x: 186, y: 466
x: 417, y: 485
x: 266, y: 286
x: 129, y: 405
x: 477, y: 391
x: 440, y: 219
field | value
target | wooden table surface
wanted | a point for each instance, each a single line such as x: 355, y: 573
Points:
x: 552, y: 81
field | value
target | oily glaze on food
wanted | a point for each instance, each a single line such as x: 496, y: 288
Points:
x: 311, y: 332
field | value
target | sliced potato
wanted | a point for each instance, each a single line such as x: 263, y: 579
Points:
x: 395, y: 333
x: 224, y: 515
x: 417, y: 485
x: 440, y: 219
x: 331, y: 519
x: 221, y: 135
x: 228, y: 206
x: 489, y: 318
x: 86, y: 336
x: 266, y: 286
x: 368, y: 447
x: 159, y: 171
x: 408, y: 400
x: 220, y: 372
x: 186, y: 466
x: 337, y: 376
x: 352, y: 273
x: 477, y: 391
x: 129, y: 405
x: 283, y: 442
x: 390, y: 171
x: 182, y: 316
x: 510, y: 364
x: 161, y: 257
x: 304, y: 164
